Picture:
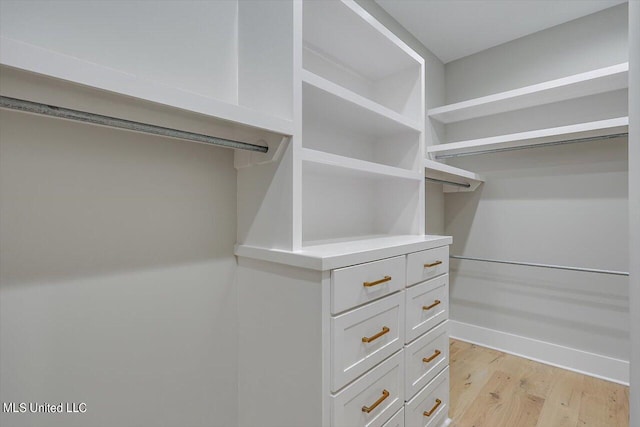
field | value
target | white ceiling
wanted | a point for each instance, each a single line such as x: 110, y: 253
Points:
x: 453, y: 29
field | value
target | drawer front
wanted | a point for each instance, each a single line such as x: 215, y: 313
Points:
x: 397, y: 420
x: 425, y: 358
x: 364, y: 337
x: 430, y: 406
x: 360, y: 284
x: 427, y: 305
x: 426, y: 265
x: 373, y: 399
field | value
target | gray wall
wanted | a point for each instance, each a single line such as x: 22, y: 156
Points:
x: 117, y: 276
x: 634, y: 206
x: 561, y: 205
x: 434, y: 96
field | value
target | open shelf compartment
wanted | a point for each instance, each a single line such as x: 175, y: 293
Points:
x: 337, y: 122
x: 343, y: 203
x: 345, y: 45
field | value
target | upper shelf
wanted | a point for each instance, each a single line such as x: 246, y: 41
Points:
x: 46, y: 62
x: 363, y: 112
x: 595, y: 129
x: 462, y: 180
x: 578, y: 85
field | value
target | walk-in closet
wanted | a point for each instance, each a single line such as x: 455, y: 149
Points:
x: 337, y: 213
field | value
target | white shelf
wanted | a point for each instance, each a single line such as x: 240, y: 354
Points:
x: 361, y: 111
x: 592, y: 82
x: 536, y: 137
x: 445, y: 172
x: 345, y: 252
x: 45, y: 62
x: 357, y: 167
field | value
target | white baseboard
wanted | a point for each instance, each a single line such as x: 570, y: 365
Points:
x: 595, y: 365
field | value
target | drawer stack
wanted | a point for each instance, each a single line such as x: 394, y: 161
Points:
x: 389, y: 341
x: 426, y: 349
x: 367, y: 328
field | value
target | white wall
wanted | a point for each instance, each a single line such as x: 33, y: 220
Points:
x: 117, y: 279
x: 634, y: 206
x: 434, y: 96
x: 561, y: 205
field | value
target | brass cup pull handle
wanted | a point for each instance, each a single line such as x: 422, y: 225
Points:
x: 433, y: 264
x: 432, y: 410
x: 429, y: 307
x: 377, y: 282
x: 368, y: 409
x: 433, y: 356
x: 376, y: 336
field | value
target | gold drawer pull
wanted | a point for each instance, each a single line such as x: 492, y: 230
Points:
x: 376, y: 336
x: 428, y: 413
x: 433, y: 264
x: 368, y: 409
x: 429, y: 307
x: 433, y: 356
x: 377, y: 282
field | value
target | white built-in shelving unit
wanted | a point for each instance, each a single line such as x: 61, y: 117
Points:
x: 362, y: 128
x: 353, y: 170
x: 612, y: 79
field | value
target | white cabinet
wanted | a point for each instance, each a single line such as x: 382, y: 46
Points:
x: 355, y: 368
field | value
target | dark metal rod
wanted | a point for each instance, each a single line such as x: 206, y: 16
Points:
x: 442, y: 181
x: 524, y: 147
x: 114, y: 122
x: 557, y: 267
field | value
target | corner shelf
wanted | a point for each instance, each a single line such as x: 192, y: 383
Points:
x: 578, y: 85
x: 357, y: 167
x: 443, y: 172
x: 361, y: 111
x: 601, y: 128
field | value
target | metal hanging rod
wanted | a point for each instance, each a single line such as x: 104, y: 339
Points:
x: 114, y: 122
x: 442, y: 181
x: 524, y: 147
x: 557, y: 267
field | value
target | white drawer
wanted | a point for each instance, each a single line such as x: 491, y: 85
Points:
x: 364, y: 337
x: 359, y: 284
x: 427, y: 305
x: 430, y: 406
x: 425, y: 357
x: 397, y: 420
x: 427, y: 264
x: 380, y: 392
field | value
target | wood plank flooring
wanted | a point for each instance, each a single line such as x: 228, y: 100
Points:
x: 494, y: 389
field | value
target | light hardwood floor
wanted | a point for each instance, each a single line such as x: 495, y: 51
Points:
x: 494, y: 389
